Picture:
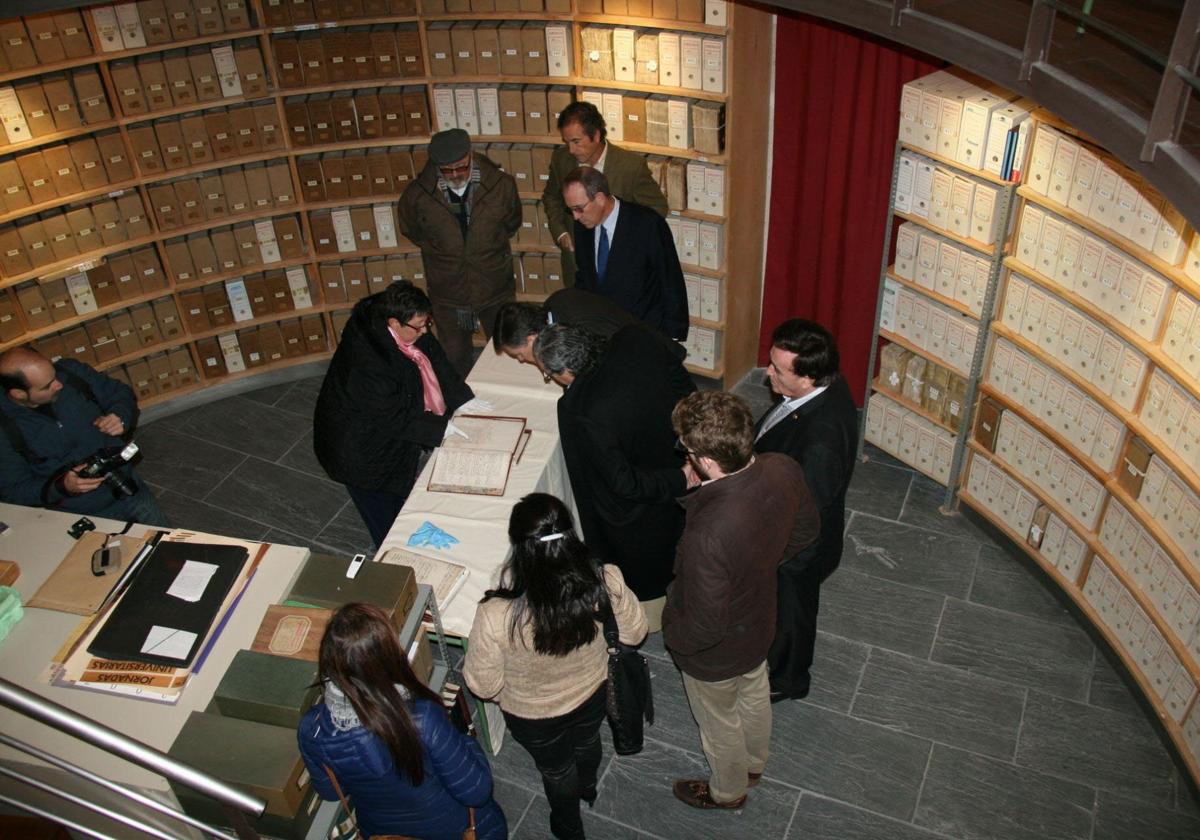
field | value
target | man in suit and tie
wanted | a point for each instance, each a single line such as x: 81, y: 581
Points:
x: 585, y: 143
x: 625, y: 252
x: 816, y: 423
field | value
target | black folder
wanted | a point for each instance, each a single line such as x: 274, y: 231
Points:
x: 146, y: 603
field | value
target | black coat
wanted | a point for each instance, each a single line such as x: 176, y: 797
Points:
x: 615, y: 425
x: 822, y: 435
x: 643, y: 276
x: 370, y: 423
x: 596, y: 314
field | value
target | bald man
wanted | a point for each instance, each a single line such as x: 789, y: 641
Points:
x: 53, y: 417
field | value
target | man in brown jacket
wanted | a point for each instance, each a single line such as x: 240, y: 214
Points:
x: 747, y: 514
x: 461, y: 212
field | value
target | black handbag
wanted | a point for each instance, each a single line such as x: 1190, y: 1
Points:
x: 629, y: 696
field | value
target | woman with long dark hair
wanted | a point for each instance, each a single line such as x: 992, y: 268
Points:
x: 387, y: 739
x: 537, y: 648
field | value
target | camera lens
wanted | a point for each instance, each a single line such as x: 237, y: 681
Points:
x: 119, y: 485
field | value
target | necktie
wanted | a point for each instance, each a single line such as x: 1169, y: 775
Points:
x: 434, y: 401
x: 602, y: 256
x: 776, y: 414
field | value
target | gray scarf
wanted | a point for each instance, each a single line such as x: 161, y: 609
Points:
x: 341, y: 710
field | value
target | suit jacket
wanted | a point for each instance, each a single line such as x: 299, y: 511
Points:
x: 618, y: 444
x: 643, y: 276
x: 628, y: 178
x: 596, y: 314
x: 822, y: 436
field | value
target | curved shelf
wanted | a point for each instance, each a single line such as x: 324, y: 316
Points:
x: 1134, y: 423
x: 117, y: 55
x: 656, y: 24
x: 235, y: 273
x: 950, y: 303
x: 1049, y: 431
x: 1174, y: 273
x: 921, y: 351
x: 915, y: 408
x: 1165, y: 541
x: 79, y: 320
x: 204, y: 384
x: 195, y: 107
x: 1173, y: 729
x: 957, y: 166
x: 716, y: 373
x: 973, y: 244
x: 34, y: 142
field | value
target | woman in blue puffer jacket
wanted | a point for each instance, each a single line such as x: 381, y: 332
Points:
x: 388, y: 740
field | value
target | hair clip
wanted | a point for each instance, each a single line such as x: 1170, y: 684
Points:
x: 550, y: 537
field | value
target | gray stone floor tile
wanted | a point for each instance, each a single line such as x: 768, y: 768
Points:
x: 536, y: 824
x: 1017, y: 586
x: 976, y: 798
x: 1107, y: 750
x: 269, y: 395
x: 1118, y: 818
x: 837, y: 667
x: 515, y: 802
x: 1025, y: 651
x: 301, y: 399
x: 1111, y: 689
x: 851, y: 760
x: 910, y: 555
x: 873, y: 453
x: 923, y: 508
x: 940, y: 703
x: 248, y: 426
x: 347, y: 533
x: 183, y: 512
x: 673, y: 721
x: 878, y: 489
x: 183, y: 462
x: 289, y: 500
x: 879, y: 612
x: 300, y: 456
x: 636, y: 790
x: 1187, y: 798
x: 818, y: 818
x: 653, y: 646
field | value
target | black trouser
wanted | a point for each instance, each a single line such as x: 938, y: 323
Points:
x: 566, y: 750
x: 791, y: 653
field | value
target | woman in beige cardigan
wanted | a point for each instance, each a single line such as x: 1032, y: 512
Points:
x: 537, y: 648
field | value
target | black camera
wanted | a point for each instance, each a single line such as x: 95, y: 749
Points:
x: 105, y: 463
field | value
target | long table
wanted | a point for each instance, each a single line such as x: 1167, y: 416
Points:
x: 37, y: 540
x: 480, y: 523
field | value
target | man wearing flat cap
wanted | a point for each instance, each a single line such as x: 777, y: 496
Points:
x: 461, y: 212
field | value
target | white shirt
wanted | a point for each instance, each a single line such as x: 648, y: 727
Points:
x: 610, y: 225
x: 786, y: 407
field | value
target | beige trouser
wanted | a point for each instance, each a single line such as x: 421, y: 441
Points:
x: 654, y: 611
x: 734, y: 717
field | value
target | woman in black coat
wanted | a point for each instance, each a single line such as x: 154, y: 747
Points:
x: 387, y: 397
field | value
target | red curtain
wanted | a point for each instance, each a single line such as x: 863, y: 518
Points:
x: 837, y: 105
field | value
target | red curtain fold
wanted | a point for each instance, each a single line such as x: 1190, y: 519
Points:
x: 837, y: 101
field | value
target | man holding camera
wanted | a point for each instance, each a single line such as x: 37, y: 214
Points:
x: 54, y: 419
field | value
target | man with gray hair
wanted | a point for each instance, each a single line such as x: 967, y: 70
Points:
x: 626, y: 252
x: 614, y: 419
x: 461, y: 211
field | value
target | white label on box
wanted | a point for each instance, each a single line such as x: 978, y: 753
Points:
x: 231, y: 83
x: 130, y: 25
x: 232, y: 351
x: 267, y: 245
x: 13, y: 118
x: 81, y: 293
x: 298, y: 283
x: 105, y: 18
x: 385, y: 228
x: 239, y: 300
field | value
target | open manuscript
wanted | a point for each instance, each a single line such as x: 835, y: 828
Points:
x: 479, y: 463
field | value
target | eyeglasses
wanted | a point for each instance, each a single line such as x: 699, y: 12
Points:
x: 579, y: 208
x: 426, y: 327
x: 456, y: 168
x: 682, y: 448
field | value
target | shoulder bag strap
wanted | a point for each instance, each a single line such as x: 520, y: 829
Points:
x: 609, y: 620
x: 346, y: 805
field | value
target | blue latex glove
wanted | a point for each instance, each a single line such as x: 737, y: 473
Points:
x: 431, y: 535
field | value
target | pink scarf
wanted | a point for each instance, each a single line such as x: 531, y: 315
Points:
x: 434, y: 401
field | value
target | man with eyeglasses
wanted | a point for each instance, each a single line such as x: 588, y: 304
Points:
x: 614, y: 421
x: 461, y: 212
x: 626, y: 252
x: 386, y: 401
x: 585, y: 143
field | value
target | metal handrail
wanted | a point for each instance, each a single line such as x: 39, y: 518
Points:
x: 1087, y: 21
x: 117, y: 743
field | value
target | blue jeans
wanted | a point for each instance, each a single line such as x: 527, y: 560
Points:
x: 566, y: 750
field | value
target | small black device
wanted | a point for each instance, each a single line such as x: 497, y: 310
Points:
x: 105, y: 462
x: 80, y: 527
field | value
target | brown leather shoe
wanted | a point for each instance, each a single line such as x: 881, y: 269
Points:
x: 752, y: 779
x: 694, y: 792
